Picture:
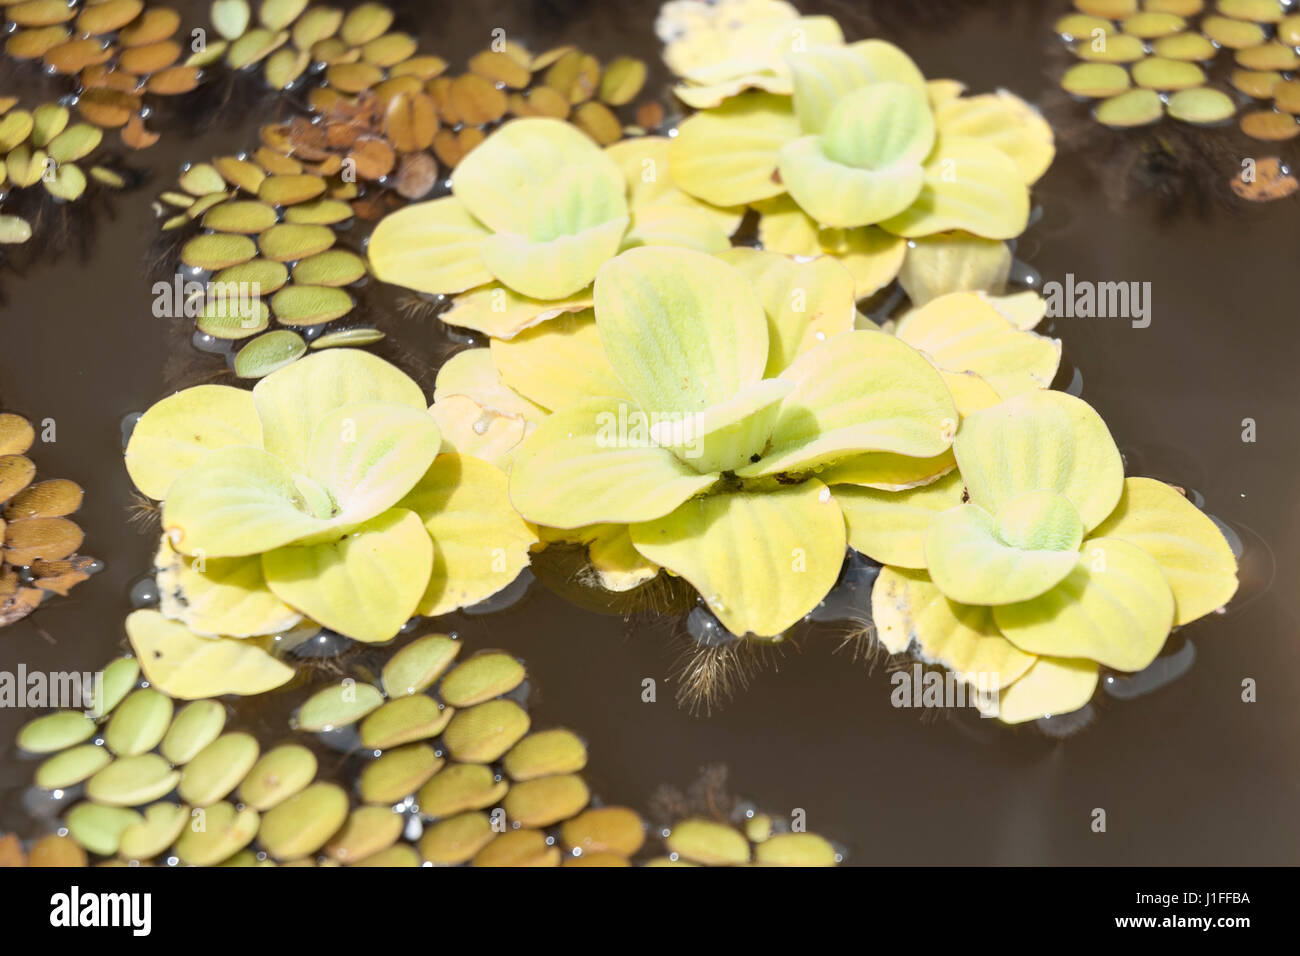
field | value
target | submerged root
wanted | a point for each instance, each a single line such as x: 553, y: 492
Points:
x: 709, y: 676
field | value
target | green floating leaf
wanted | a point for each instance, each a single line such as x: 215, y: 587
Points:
x: 1027, y: 549
x: 682, y: 330
x: 1041, y: 441
x: 593, y: 463
x: 186, y: 666
x: 907, y: 607
x: 890, y: 526
x: 1191, y: 551
x: 179, y: 430
x: 480, y: 542
x: 365, y: 586
x: 858, y: 392
x: 760, y: 560
x: 1115, y: 608
x: 554, y: 364
x: 728, y: 156
x: 956, y: 262
x: 432, y: 247
x: 269, y: 353
x: 1052, y: 686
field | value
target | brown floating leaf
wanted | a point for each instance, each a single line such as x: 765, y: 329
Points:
x: 469, y: 137
x: 45, y: 499
x: 108, y: 16
x: 136, y: 136
x: 157, y: 23
x: 373, y: 157
x: 37, y: 539
x: 16, y: 435
x: 276, y: 163
x: 19, y: 604
x: 59, y: 577
x: 16, y: 473
x: 75, y: 55
x: 476, y: 101
x: 421, y: 67
x: 385, y: 92
x: 446, y: 145
x: 650, y: 116
x: 53, y: 850
x: 353, y: 77
x: 39, y: 13
x: 439, y: 89
x: 598, y: 122
x: 1272, y: 181
x: 1269, y: 125
x: 11, y: 851
x: 416, y: 175
x: 547, y: 57
x: 108, y: 108
x: 411, y: 122
x: 34, y: 44
x: 1286, y: 96
x: 105, y: 76
x: 150, y: 58
x: 576, y: 75
x: 545, y: 101
x: 174, y: 80
x: 500, y: 67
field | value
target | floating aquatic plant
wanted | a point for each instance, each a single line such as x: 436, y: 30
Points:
x: 452, y: 772
x: 38, y: 538
x: 1038, y: 562
x: 534, y: 213
x: 320, y: 493
x: 863, y: 142
x: 690, y: 417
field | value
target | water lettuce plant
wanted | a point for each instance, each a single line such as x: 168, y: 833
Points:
x: 320, y: 493
x: 690, y: 414
x: 535, y: 210
x: 863, y: 141
x: 1038, y: 562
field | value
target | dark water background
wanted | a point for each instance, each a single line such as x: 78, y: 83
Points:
x: 1189, y: 774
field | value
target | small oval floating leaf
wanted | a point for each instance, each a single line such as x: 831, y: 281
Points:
x: 99, y: 828
x: 335, y: 267
x: 319, y: 212
x: 245, y: 216
x: 162, y: 824
x: 367, y: 831
x: 1155, y: 73
x: 233, y: 317
x: 707, y: 842
x: 1202, y: 105
x: 481, y: 678
x: 604, y: 829
x: 133, y: 781
x: 546, y: 800
x: 45, y: 499
x: 404, y: 720
x: 483, y: 733
x: 457, y: 839
x: 217, y: 251
x: 74, y: 143
x: 197, y: 725
x: 795, y: 849
x: 544, y: 753
x: 139, y: 722
x: 260, y: 277
x: 1269, y: 125
x: 417, y: 665
x: 1134, y: 108
x: 310, y: 304
x: 337, y: 706
x: 1095, y: 80
x: 118, y: 679
x: 398, y: 773
x: 348, y: 338
x: 288, y: 242
x: 14, y: 230
x: 288, y: 189
x: 71, y: 767
x: 218, y: 768
x: 301, y: 825
x: 216, y: 833
x: 277, y: 776
x: 461, y: 787
x: 269, y: 352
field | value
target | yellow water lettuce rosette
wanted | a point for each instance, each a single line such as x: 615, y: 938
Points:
x: 690, y: 415
x: 722, y: 47
x: 863, y: 143
x: 1038, y: 562
x: 534, y: 211
x: 322, y: 494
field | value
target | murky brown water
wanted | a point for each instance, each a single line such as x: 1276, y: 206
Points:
x: 1188, y: 774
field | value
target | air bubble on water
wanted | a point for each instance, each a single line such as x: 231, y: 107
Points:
x: 1163, y: 670
x: 508, y: 596
x: 128, y: 426
x: 45, y: 804
x: 414, y: 828
x: 1075, y: 387
x: 209, y: 343
x: 345, y: 740
x: 1235, y: 542
x: 1061, y: 726
x: 705, y: 628
x: 324, y: 644
x: 144, y: 593
x: 409, y: 626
